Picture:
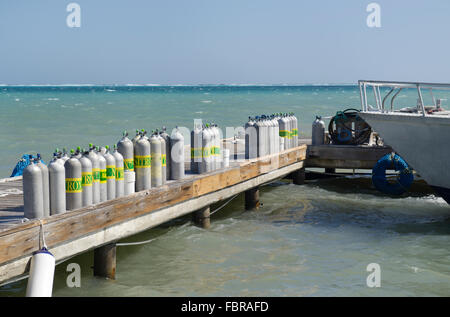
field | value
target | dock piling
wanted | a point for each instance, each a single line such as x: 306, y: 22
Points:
x: 105, y: 261
x: 298, y: 177
x: 252, y: 199
x: 201, y: 217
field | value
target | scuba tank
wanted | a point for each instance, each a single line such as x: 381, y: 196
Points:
x: 177, y: 155
x: 260, y: 128
x: 163, y: 157
x: 270, y: 129
x: 276, y: 133
x: 73, y: 183
x: 167, y: 158
x: 93, y: 157
x: 120, y: 184
x: 216, y: 147
x: 125, y: 147
x: 205, y: 165
x: 86, y: 179
x: 251, y: 139
x: 196, y: 149
x: 110, y: 174
x: 33, y: 194
x: 212, y: 147
x: 45, y: 185
x: 155, y: 149
x: 57, y: 183
x: 284, y: 130
x: 318, y: 131
x: 142, y: 164
x: 294, y: 130
x: 103, y: 180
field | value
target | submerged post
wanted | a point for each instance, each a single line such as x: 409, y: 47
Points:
x: 252, y: 198
x: 201, y: 217
x: 298, y: 177
x: 105, y: 261
x: 330, y: 170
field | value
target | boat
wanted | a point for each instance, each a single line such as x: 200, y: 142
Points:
x: 420, y: 134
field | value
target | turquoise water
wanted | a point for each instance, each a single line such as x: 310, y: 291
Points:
x: 38, y: 119
x: 310, y: 240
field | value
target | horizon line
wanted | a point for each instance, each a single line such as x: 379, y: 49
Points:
x: 177, y: 85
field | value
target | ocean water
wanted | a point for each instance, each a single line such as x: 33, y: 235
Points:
x: 38, y: 119
x: 311, y: 240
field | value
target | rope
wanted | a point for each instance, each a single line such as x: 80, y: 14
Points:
x: 42, y: 235
x: 216, y: 210
x: 134, y: 243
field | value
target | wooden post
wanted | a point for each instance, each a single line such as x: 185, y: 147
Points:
x: 298, y: 177
x: 252, y: 198
x: 202, y: 218
x: 105, y: 261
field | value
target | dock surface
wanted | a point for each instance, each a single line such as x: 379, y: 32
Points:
x: 88, y: 228
x: 78, y: 231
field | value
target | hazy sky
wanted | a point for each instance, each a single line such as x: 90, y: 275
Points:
x: 223, y: 42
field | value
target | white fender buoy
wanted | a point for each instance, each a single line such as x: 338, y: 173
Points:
x: 42, y: 270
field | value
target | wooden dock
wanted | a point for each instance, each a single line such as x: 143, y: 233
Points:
x: 100, y: 226
x: 95, y: 226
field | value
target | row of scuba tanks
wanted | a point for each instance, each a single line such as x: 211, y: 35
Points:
x: 206, y: 149
x: 265, y: 135
x: 96, y: 175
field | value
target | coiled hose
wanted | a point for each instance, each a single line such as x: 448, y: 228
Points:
x: 341, y: 131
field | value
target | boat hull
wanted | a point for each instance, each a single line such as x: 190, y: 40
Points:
x: 424, y: 142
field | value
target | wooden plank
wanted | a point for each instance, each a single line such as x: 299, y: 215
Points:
x: 347, y: 152
x: 21, y: 240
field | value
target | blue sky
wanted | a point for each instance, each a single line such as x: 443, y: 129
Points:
x: 223, y: 42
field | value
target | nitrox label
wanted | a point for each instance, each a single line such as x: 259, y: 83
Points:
x: 119, y: 173
x: 196, y: 152
x: 73, y: 185
x: 294, y: 132
x: 285, y: 133
x: 96, y: 175
x: 206, y: 151
x: 103, y: 176
x: 215, y: 150
x: 163, y: 159
x: 128, y: 164
x: 142, y: 161
x: 110, y: 172
x: 86, y: 179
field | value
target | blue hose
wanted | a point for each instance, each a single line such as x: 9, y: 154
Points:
x: 22, y: 164
x: 403, y: 181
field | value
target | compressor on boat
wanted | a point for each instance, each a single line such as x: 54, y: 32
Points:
x: 348, y: 128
